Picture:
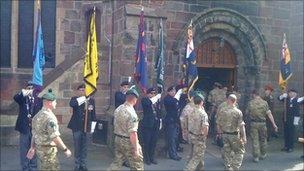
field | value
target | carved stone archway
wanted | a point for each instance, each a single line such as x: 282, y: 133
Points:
x: 245, y: 38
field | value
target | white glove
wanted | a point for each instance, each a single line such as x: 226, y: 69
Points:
x: 283, y: 96
x: 155, y: 98
x: 81, y: 100
x: 160, y: 124
x: 300, y: 99
x: 93, y: 125
x: 296, y: 120
x: 178, y: 94
x: 26, y: 92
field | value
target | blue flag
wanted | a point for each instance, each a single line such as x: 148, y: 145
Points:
x: 285, y: 69
x: 140, y: 74
x: 38, y: 56
x: 190, y: 62
x: 159, y: 62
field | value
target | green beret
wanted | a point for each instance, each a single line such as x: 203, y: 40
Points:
x: 49, y: 96
x: 198, y: 94
x: 132, y: 92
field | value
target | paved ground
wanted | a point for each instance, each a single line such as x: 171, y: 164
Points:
x: 100, y: 157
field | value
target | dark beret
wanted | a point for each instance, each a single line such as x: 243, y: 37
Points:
x: 124, y: 83
x: 150, y: 90
x: 80, y: 86
x: 171, y: 88
x: 292, y: 90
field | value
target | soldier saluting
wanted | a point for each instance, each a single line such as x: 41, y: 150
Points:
x: 29, y: 105
x: 77, y: 123
x: 46, y: 135
x: 257, y: 110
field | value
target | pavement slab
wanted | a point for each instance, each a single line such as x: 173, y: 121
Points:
x: 100, y: 157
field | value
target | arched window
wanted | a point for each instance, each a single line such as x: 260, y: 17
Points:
x: 26, y: 31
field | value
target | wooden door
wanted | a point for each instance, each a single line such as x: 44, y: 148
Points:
x: 215, y: 53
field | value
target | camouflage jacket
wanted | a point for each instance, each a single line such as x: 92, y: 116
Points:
x: 187, y: 109
x: 125, y: 120
x: 230, y: 119
x: 45, y: 127
x: 270, y: 100
x: 257, y: 109
x: 196, y: 120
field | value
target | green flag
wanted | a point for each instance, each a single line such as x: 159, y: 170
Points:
x: 159, y: 62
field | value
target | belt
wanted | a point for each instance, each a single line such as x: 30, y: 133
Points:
x: 47, y: 145
x: 193, y: 133
x: 121, y: 136
x: 231, y: 133
x: 261, y: 121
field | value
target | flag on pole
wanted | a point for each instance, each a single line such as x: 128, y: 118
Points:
x: 285, y: 68
x: 90, y: 69
x: 190, y: 61
x: 38, y: 53
x: 140, y: 74
x: 159, y: 62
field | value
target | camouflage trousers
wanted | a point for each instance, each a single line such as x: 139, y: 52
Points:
x: 47, y: 157
x: 258, y: 133
x: 197, y: 151
x: 123, y: 151
x: 233, y: 151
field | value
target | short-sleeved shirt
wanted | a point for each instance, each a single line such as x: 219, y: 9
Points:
x: 125, y: 120
x: 196, y: 120
x: 257, y: 109
x: 45, y: 127
x: 230, y: 119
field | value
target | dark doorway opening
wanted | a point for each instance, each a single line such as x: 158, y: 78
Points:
x: 207, y: 77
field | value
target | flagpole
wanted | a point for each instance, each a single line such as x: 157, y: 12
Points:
x: 86, y: 103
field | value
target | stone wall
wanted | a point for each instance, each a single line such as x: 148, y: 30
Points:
x: 272, y: 18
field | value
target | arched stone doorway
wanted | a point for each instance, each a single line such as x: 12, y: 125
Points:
x: 216, y: 62
x: 240, y: 33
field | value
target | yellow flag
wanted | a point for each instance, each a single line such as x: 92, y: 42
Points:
x: 90, y: 68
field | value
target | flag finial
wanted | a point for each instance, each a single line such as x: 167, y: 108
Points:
x: 190, y: 25
x: 141, y: 4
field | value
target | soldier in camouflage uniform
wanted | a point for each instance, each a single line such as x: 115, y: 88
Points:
x: 213, y: 99
x: 257, y: 110
x: 187, y: 109
x: 46, y: 135
x: 268, y: 97
x: 126, y: 139
x: 197, y: 127
x: 232, y: 127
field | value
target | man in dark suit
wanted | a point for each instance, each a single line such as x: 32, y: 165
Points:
x: 171, y: 120
x: 77, y: 122
x: 120, y: 96
x: 150, y: 125
x: 29, y: 105
x: 292, y: 118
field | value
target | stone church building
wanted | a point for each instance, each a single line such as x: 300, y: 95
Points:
x: 237, y: 43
